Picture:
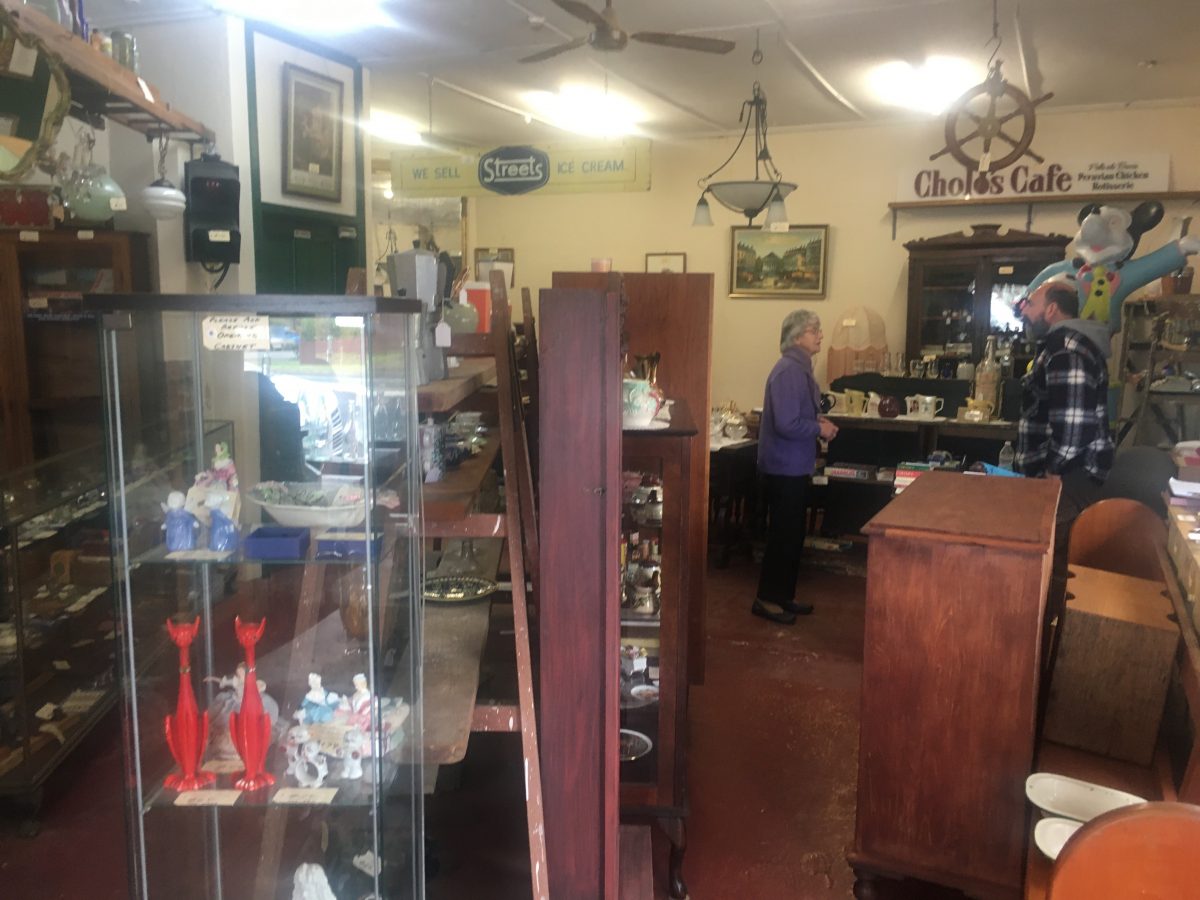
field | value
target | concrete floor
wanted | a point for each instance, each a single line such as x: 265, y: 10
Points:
x: 773, y: 756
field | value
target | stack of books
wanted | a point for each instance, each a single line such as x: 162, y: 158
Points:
x: 908, y: 472
x: 853, y: 471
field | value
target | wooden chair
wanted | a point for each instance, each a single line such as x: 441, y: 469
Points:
x: 1146, y: 852
x: 1119, y: 535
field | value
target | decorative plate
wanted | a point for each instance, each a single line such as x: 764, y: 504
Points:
x: 455, y: 590
x: 634, y: 745
x: 1074, y: 799
x: 1050, y: 834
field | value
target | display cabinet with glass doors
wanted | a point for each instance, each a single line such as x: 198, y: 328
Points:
x: 268, y: 593
x: 654, y: 604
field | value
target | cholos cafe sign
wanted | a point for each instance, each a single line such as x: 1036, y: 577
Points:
x: 555, y: 168
x: 1028, y: 181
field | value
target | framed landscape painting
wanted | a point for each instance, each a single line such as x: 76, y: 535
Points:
x: 783, y: 264
x: 312, y: 134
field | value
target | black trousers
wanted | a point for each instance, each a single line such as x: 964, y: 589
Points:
x: 787, y: 520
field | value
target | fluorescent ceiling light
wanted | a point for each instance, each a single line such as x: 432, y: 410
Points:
x: 586, y: 110
x: 317, y: 17
x: 393, y: 129
x: 928, y: 88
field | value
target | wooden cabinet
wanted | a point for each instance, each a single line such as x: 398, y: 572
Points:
x: 961, y: 287
x: 957, y: 572
x: 49, y: 359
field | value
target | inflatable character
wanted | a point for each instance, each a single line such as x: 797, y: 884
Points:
x: 1103, y: 270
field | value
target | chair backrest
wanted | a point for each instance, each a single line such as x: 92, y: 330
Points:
x: 1146, y: 852
x: 1119, y: 535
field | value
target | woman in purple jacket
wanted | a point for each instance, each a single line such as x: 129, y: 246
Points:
x: 787, y: 450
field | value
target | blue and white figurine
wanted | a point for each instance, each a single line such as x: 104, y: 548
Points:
x: 180, y: 527
x: 222, y: 521
x: 318, y: 705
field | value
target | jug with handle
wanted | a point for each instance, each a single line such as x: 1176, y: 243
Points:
x: 856, y: 403
x: 640, y: 403
x: 929, y: 406
x: 873, y: 403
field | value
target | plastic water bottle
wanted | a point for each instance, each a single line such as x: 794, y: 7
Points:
x: 1007, y: 456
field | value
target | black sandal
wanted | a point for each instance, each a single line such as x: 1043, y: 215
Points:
x: 781, y: 618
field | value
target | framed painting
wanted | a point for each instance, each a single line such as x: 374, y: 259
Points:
x: 785, y: 264
x: 489, y: 258
x: 312, y: 134
x: 666, y: 262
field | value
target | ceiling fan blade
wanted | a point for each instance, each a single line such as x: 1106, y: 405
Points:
x: 554, y: 51
x: 582, y: 11
x: 683, y: 41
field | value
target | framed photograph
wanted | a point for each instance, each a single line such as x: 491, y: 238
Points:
x: 666, y: 262
x: 784, y: 264
x: 312, y: 134
x: 490, y: 258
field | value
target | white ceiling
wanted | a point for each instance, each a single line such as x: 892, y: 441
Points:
x: 1088, y: 52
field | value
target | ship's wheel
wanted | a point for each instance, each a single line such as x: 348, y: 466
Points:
x: 983, y: 116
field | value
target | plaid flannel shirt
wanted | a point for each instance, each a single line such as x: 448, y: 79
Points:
x: 1064, y: 409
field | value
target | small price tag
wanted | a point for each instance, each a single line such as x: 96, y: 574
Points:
x: 146, y: 92
x: 441, y: 335
x: 39, y: 302
x: 46, y: 713
x: 86, y: 235
x: 305, y: 796
x: 207, y: 798
x: 117, y: 204
x: 218, y: 236
x: 302, y: 234
x: 1005, y: 270
x: 62, y: 665
x: 31, y: 236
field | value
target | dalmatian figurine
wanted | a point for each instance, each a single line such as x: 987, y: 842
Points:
x: 352, y: 753
x: 1103, y: 270
x: 297, y: 737
x: 312, y: 768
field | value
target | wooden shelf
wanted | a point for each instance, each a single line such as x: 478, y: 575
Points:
x: 452, y: 497
x: 444, y: 395
x: 102, y: 87
x: 1075, y: 199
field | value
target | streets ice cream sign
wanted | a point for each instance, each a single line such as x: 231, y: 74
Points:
x: 622, y: 165
x: 1029, y: 181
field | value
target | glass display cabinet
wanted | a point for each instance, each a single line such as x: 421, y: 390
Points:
x: 268, y: 614
x: 655, y: 596
x: 56, y: 637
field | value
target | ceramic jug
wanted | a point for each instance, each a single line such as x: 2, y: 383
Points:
x: 929, y: 406
x: 856, y: 403
x: 889, y: 407
x: 833, y: 403
x: 912, y: 405
x: 639, y: 403
x: 873, y: 403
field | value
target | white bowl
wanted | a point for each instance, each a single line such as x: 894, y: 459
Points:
x: 1074, y: 799
x: 334, y: 515
x: 1050, y: 834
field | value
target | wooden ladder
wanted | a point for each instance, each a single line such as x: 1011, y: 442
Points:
x: 518, y: 524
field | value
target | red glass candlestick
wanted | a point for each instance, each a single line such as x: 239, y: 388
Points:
x: 250, y: 728
x: 187, y: 730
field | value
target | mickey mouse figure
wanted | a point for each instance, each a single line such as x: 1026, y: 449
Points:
x: 1103, y: 271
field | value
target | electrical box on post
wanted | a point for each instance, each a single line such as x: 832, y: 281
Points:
x: 211, y: 233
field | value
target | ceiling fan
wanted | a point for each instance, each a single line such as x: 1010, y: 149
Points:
x: 607, y: 34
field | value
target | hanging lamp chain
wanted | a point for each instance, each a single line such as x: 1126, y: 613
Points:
x: 995, y: 40
x: 163, y: 143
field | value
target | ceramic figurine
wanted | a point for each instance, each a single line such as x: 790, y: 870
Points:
x: 249, y: 727
x: 187, y: 730
x: 312, y: 768
x: 354, y: 745
x: 222, y: 525
x: 229, y: 700
x: 359, y: 704
x: 180, y: 526
x: 311, y: 883
x: 223, y: 469
x: 318, y: 705
x: 215, y: 488
x: 297, y: 737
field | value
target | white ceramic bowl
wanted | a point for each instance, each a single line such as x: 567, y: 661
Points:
x: 307, y: 516
x: 1074, y: 799
x: 1051, y: 834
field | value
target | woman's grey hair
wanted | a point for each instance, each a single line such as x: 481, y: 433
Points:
x: 796, y: 324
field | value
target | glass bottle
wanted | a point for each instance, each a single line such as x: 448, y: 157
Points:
x: 987, y: 376
x: 1007, y: 456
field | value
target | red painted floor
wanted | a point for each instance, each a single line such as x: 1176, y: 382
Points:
x: 774, y: 737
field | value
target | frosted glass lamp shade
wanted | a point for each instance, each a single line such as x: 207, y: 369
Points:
x: 748, y: 197
x: 703, y: 215
x: 777, y: 212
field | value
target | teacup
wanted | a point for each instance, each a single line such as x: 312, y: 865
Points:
x: 640, y: 403
x: 873, y: 403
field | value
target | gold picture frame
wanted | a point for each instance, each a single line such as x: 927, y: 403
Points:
x: 667, y: 262
x: 788, y: 264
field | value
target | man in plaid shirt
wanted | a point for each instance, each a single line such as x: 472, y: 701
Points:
x: 1064, y: 411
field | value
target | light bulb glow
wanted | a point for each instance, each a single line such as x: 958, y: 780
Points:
x: 929, y: 88
x: 312, y: 16
x: 392, y: 129
x: 586, y: 110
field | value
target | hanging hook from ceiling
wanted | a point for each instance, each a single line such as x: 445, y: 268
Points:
x: 757, y: 56
x: 995, y: 40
